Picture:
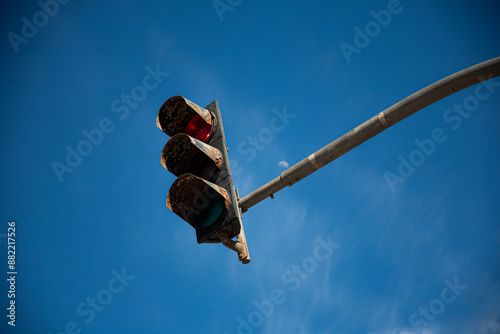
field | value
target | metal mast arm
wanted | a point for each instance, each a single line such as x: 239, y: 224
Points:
x: 387, y: 118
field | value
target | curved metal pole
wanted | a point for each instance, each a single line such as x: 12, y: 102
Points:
x: 384, y: 120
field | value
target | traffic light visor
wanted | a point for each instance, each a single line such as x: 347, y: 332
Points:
x: 184, y: 154
x: 179, y: 115
x: 200, y: 203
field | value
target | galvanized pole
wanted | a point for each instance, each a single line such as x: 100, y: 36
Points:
x: 387, y: 118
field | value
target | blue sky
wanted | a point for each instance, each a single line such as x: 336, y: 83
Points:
x: 343, y: 251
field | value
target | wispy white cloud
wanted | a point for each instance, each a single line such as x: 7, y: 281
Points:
x: 245, y: 184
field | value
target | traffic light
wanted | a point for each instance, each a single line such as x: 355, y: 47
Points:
x: 203, y: 194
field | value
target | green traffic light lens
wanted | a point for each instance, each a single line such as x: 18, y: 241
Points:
x: 209, y: 207
x: 209, y: 216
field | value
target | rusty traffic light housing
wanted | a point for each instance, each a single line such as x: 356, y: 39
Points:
x: 203, y: 195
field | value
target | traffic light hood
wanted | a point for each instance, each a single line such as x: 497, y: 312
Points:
x: 177, y: 112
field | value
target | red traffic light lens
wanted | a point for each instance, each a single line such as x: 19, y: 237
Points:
x: 198, y: 128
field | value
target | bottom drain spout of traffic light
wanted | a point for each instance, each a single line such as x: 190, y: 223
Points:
x: 239, y: 245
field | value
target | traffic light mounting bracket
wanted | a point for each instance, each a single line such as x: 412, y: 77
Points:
x: 240, y: 245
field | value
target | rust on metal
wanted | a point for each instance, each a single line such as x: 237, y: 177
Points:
x: 239, y: 245
x: 185, y: 154
x: 190, y: 195
x: 176, y: 112
x: 210, y: 151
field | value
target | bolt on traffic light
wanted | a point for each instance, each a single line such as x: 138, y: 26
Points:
x: 203, y: 194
